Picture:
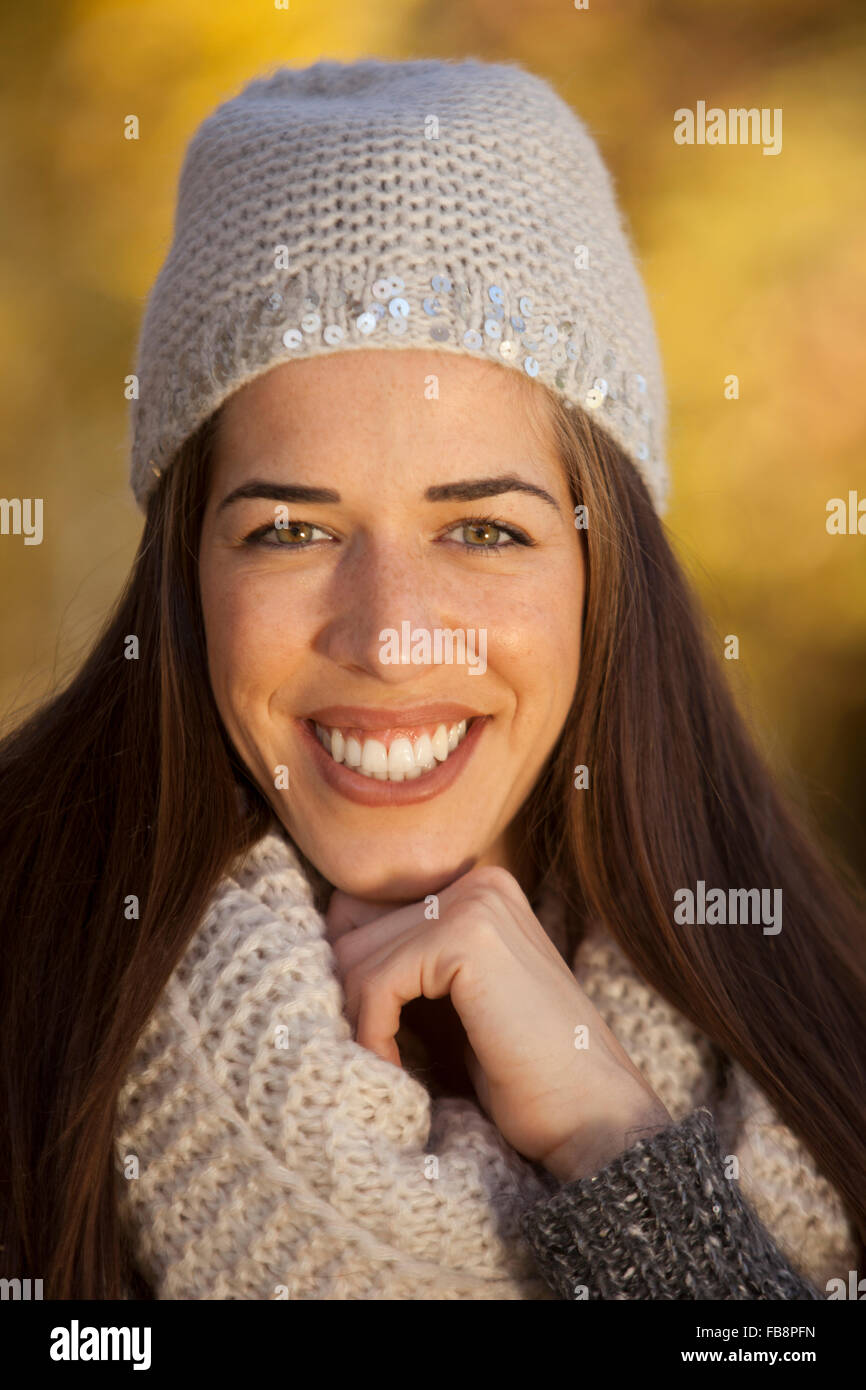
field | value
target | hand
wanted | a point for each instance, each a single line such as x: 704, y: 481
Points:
x: 567, y: 1107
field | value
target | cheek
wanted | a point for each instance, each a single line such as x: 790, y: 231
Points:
x: 539, y: 623
x: 553, y: 622
x: 246, y: 634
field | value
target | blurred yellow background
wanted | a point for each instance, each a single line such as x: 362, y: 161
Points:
x: 754, y: 265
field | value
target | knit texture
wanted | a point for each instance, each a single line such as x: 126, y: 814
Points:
x: 453, y: 205
x: 276, y: 1157
x: 662, y: 1221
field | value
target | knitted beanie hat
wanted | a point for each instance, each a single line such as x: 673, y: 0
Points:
x: 453, y: 205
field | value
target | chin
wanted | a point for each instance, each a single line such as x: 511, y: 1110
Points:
x: 388, y: 881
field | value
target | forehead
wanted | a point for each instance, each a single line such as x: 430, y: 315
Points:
x: 388, y: 400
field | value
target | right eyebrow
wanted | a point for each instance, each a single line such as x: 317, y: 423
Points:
x: 280, y: 492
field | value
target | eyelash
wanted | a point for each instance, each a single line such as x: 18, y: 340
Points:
x: 518, y: 537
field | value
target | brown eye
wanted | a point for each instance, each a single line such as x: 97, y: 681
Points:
x: 296, y: 530
x: 489, y: 537
x: 294, y: 535
x: 484, y: 532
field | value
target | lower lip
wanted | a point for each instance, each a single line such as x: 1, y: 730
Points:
x: 368, y: 791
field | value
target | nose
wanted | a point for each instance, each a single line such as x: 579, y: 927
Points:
x: 382, y: 586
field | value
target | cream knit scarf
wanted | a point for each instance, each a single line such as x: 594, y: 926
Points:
x: 262, y: 1153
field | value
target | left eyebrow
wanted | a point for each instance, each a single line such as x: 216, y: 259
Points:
x: 472, y: 488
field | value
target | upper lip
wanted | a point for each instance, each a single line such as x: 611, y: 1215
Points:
x: 365, y: 717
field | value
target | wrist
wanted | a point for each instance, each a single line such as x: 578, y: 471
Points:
x: 595, y: 1145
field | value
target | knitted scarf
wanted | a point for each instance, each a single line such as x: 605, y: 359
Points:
x: 262, y: 1153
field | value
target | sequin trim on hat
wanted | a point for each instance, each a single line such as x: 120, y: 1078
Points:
x: 510, y: 326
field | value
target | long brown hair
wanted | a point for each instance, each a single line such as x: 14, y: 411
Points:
x: 122, y: 802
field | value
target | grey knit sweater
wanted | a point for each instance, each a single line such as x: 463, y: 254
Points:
x: 662, y: 1221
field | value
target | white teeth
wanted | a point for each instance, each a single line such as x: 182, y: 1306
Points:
x: 403, y: 761
x: 374, y: 759
x: 440, y: 743
x: 424, y: 751
x: 353, y: 752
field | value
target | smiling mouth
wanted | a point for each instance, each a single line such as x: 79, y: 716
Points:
x: 393, y: 755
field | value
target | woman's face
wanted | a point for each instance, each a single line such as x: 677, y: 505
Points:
x: 365, y: 473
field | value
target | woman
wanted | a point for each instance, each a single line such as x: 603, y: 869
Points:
x: 348, y: 952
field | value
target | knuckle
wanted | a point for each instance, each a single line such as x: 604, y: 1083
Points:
x: 476, y: 922
x: 484, y: 933
x: 492, y: 878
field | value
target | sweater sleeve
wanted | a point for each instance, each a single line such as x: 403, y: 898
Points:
x: 661, y: 1221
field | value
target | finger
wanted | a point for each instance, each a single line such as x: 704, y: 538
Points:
x: 377, y: 991
x: 382, y: 1046
x: 376, y: 923
x: 362, y: 927
x: 346, y: 912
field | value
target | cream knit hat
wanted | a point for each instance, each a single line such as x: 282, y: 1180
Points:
x: 453, y: 205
